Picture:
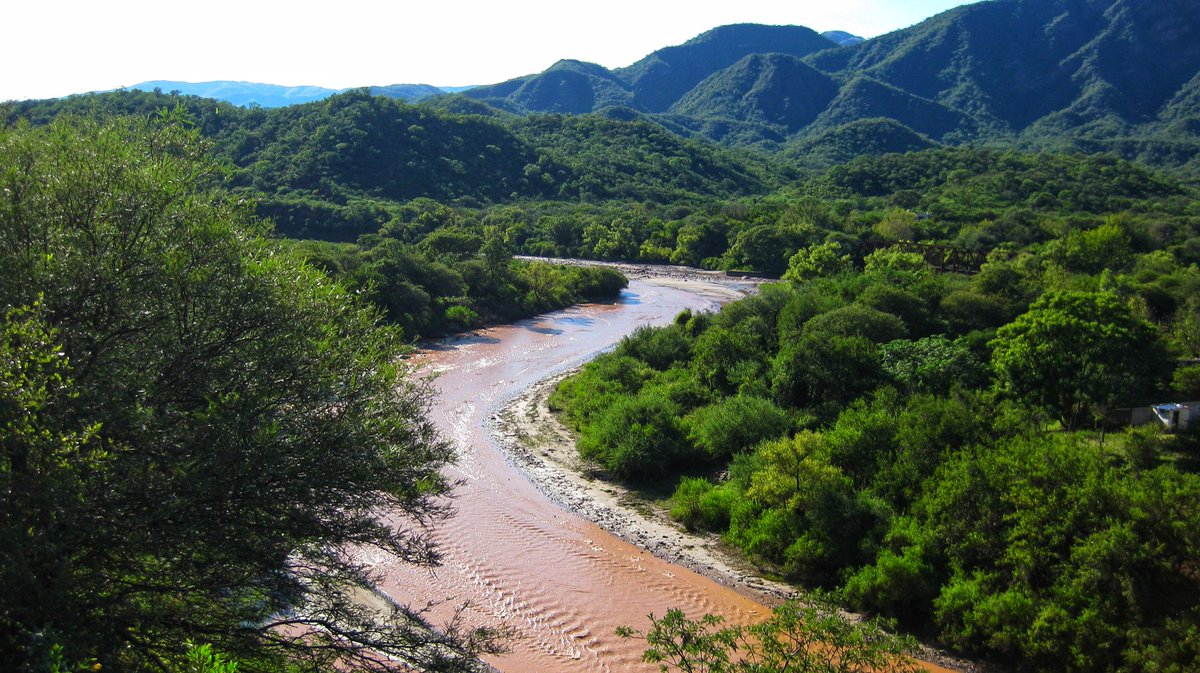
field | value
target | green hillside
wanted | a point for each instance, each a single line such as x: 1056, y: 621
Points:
x: 863, y: 137
x: 663, y: 77
x: 1115, y: 76
x: 572, y: 87
x: 771, y: 89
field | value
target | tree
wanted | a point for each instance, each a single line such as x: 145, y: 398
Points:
x: 1105, y: 247
x: 455, y: 245
x: 933, y: 364
x: 816, y: 261
x: 768, y: 248
x: 496, y: 259
x: 213, y: 427
x: 813, y: 637
x: 897, y: 225
x: 635, y: 438
x: 824, y: 369
x: 1077, y: 353
x: 724, y: 358
x: 856, y: 320
x: 1058, y: 561
x: 735, y: 424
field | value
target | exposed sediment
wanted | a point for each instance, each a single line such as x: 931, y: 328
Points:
x: 534, y: 439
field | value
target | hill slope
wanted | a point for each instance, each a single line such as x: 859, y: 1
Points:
x: 654, y: 83
x: 663, y: 77
x: 1092, y: 75
x: 774, y: 89
x: 1047, y: 65
x: 1119, y: 76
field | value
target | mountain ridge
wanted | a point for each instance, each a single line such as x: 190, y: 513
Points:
x: 1120, y: 76
x: 1093, y: 75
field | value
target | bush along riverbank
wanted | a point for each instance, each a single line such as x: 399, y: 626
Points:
x: 453, y: 281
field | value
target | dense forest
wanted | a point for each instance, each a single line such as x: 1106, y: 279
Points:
x: 586, y: 186
x: 945, y: 449
x: 343, y: 167
x: 921, y: 442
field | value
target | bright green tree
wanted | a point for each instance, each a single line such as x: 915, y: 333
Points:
x: 816, y: 261
x: 1077, y: 353
x: 197, y: 431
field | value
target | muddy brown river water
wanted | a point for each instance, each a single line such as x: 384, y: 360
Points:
x: 560, y: 583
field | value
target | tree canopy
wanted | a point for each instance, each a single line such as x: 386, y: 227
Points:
x: 197, y: 430
x: 1077, y: 353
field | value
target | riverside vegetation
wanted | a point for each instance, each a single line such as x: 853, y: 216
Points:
x: 201, y: 412
x: 927, y: 444
x: 197, y: 429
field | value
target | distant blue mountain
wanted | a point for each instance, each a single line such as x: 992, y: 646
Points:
x: 274, y: 95
x: 843, y: 38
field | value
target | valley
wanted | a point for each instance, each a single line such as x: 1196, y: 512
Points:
x: 258, y: 361
x: 519, y: 559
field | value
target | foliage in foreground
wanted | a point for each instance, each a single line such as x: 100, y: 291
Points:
x: 197, y: 430
x: 812, y: 637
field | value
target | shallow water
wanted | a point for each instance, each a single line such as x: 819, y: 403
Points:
x: 560, y: 583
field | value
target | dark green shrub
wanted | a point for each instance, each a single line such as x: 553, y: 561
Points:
x: 910, y: 308
x: 659, y: 347
x: 636, y: 438
x: 735, y: 424
x: 856, y: 320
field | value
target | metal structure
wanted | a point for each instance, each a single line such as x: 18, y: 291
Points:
x: 940, y: 257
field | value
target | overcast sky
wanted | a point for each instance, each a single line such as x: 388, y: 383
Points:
x: 53, y: 48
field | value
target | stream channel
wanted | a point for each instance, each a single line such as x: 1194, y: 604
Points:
x: 558, y: 582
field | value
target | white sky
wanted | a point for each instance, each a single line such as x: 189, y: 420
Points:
x: 52, y: 48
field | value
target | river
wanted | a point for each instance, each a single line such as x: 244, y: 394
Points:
x: 559, y: 582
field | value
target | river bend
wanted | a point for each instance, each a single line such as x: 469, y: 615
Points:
x: 559, y: 582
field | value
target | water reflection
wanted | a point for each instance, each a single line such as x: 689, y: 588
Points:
x: 575, y: 320
x: 455, y: 342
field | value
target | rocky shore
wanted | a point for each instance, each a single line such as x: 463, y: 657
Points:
x: 534, y: 439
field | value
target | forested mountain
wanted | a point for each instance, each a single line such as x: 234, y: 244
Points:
x: 1093, y: 75
x: 664, y: 76
x: 338, y: 168
x: 769, y: 89
x: 654, y: 83
x: 1030, y: 66
x: 1119, y: 76
x: 568, y: 86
